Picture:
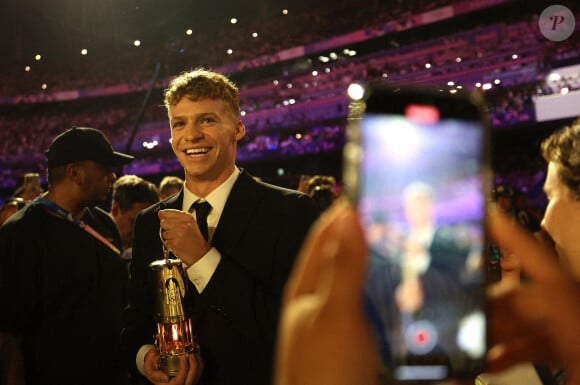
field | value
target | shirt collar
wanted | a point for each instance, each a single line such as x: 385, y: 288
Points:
x: 217, y: 198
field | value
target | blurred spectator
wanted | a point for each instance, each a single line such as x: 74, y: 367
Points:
x: 503, y: 195
x: 524, y: 214
x: 322, y: 189
x: 502, y: 264
x: 513, y: 202
x: 170, y: 185
x: 131, y: 194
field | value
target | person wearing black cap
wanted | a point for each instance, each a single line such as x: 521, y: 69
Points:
x: 62, y: 280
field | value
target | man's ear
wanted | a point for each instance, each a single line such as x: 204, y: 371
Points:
x: 75, y: 172
x: 240, y: 131
x: 115, y: 209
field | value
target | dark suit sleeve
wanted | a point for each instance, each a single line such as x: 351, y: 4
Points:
x: 259, y: 269
x: 139, y: 326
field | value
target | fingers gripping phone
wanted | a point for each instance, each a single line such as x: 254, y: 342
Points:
x: 416, y: 165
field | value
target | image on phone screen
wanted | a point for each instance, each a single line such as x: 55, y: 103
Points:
x: 422, y: 205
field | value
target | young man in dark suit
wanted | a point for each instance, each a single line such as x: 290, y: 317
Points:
x: 237, y: 270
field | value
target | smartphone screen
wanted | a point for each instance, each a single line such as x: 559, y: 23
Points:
x: 32, y: 179
x: 420, y: 181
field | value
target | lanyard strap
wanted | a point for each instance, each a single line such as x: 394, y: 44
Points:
x: 58, y: 211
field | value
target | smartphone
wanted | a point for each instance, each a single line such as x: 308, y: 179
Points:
x: 32, y: 179
x: 416, y: 165
x: 32, y: 186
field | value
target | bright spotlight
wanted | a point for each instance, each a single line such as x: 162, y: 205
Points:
x: 355, y: 91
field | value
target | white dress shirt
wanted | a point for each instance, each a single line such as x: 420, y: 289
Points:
x: 201, y: 271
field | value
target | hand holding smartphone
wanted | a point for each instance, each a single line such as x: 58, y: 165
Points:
x: 417, y: 167
x: 32, y: 186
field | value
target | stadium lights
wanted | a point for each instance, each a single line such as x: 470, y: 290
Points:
x: 554, y: 77
x: 355, y: 91
x: 150, y: 145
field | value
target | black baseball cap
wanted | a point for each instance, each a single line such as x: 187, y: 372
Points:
x: 84, y: 143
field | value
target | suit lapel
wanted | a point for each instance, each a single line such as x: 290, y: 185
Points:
x: 239, y: 208
x: 173, y: 202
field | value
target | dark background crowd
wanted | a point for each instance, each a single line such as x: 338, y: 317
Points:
x: 293, y: 69
x: 71, y: 65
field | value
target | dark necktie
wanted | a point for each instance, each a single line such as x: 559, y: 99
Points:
x: 201, y: 211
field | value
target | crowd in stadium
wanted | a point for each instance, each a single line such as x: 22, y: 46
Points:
x: 289, y: 108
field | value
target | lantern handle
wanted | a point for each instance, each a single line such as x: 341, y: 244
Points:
x: 166, y: 250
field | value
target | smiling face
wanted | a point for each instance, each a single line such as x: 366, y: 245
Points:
x: 204, y: 136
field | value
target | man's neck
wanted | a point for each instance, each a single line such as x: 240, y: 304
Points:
x: 204, y: 187
x: 66, y: 201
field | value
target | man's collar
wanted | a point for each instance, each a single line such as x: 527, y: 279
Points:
x: 217, y: 198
